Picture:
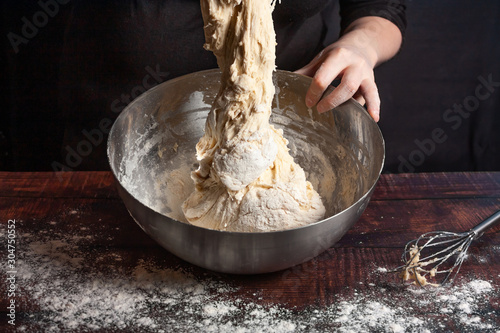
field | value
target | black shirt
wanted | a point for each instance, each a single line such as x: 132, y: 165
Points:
x: 71, y: 80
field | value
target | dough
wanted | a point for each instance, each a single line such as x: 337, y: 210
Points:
x: 414, y: 268
x: 246, y: 180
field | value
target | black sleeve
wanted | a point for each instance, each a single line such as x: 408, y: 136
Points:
x: 392, y: 10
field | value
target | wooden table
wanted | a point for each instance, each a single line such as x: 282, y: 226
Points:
x: 313, y: 296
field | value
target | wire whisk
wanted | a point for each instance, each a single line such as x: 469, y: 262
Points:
x: 440, y: 253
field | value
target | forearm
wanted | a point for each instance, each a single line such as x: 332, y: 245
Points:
x: 377, y: 36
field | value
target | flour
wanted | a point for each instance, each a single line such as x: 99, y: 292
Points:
x: 165, y: 188
x: 73, y: 287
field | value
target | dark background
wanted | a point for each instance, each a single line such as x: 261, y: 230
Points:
x: 77, y: 69
x: 448, y: 45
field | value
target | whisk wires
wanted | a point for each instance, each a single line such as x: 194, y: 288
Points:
x: 447, y: 251
x: 422, y: 262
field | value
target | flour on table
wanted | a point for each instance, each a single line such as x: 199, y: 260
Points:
x: 247, y: 180
x: 72, y: 288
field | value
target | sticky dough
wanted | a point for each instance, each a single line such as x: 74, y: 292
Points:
x: 246, y: 180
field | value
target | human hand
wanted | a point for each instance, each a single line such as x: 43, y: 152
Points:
x: 366, y: 42
x: 354, y: 67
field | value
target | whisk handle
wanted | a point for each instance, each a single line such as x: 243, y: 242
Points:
x: 479, y: 229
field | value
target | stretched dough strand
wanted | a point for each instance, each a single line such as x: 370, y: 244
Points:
x: 246, y: 180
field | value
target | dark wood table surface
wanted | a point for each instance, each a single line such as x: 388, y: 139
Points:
x: 310, y: 297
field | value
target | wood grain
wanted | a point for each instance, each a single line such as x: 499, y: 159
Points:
x: 86, y: 204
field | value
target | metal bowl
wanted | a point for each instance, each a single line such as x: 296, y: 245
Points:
x: 151, y: 150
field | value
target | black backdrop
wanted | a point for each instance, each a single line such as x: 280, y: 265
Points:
x: 440, y: 95
x: 450, y: 46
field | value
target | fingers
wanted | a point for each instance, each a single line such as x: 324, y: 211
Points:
x: 357, y: 81
x: 366, y: 92
x: 325, y: 74
x: 370, y: 92
x: 346, y: 89
x: 359, y: 98
x: 307, y: 70
x: 311, y: 67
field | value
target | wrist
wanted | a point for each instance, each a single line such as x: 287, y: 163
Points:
x: 378, y: 37
x: 359, y: 40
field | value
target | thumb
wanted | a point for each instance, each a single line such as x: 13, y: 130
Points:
x: 306, y: 70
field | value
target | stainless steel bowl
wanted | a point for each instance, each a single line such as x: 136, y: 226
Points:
x: 151, y: 150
